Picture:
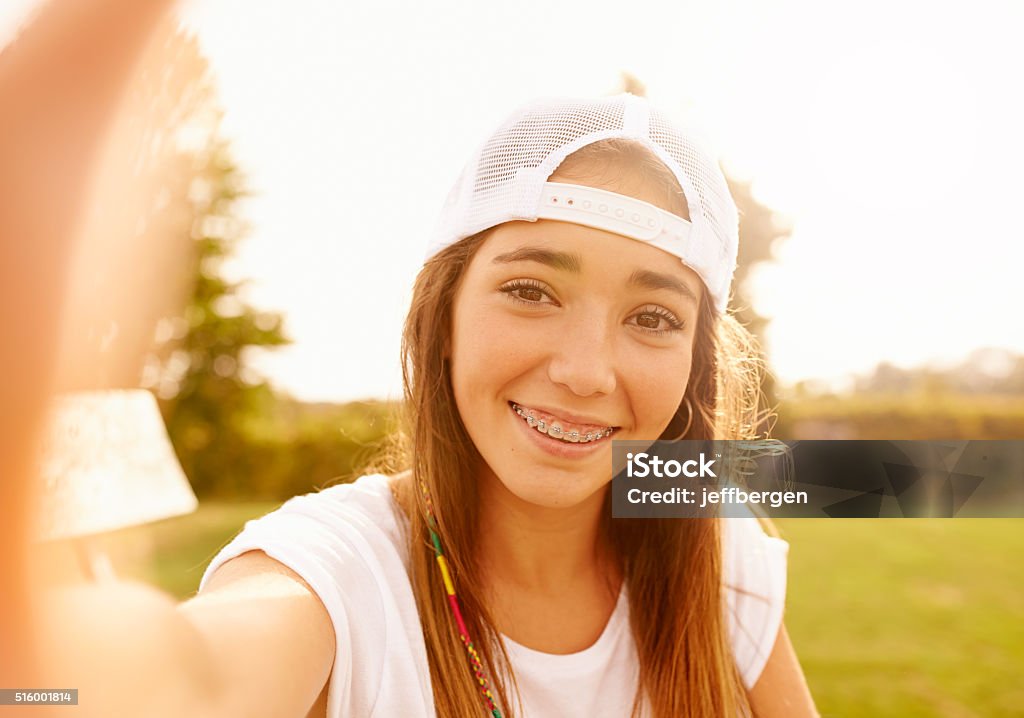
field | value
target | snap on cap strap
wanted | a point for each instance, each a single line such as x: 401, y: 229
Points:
x: 613, y: 212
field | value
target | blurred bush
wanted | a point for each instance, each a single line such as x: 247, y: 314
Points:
x: 290, y: 448
x: 981, y: 397
x: 891, y: 416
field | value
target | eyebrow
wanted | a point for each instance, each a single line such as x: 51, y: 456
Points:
x: 564, y: 261
x: 573, y: 263
x: 655, y: 280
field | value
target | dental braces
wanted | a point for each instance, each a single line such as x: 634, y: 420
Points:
x: 557, y: 431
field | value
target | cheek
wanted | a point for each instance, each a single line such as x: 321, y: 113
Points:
x: 484, y: 354
x: 658, y: 391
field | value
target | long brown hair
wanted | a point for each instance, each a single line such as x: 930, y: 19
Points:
x: 686, y: 663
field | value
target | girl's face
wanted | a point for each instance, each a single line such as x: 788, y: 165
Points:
x: 582, y: 329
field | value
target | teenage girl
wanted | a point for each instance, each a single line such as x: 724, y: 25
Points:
x: 574, y: 293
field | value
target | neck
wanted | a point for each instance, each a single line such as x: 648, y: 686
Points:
x: 543, y: 549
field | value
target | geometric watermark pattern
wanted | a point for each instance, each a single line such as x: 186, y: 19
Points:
x: 818, y: 479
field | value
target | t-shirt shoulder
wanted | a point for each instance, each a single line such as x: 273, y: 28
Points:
x: 754, y: 567
x: 346, y: 543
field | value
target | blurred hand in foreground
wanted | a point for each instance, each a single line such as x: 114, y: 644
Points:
x: 62, y: 81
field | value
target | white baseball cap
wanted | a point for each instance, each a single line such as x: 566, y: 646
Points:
x: 507, y: 180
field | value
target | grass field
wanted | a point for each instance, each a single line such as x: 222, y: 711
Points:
x: 900, y: 618
x: 909, y: 617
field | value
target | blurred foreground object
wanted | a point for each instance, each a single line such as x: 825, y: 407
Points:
x: 107, y: 464
x: 61, y: 81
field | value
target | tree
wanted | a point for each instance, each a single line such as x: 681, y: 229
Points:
x: 761, y: 229
x: 209, y: 392
x: 197, y: 367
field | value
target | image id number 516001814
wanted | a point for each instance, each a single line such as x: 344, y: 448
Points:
x: 39, y: 696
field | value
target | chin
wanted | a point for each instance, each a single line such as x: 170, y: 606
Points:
x: 556, y: 489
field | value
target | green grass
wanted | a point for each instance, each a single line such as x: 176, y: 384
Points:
x: 899, y: 618
x: 909, y: 617
x: 174, y: 553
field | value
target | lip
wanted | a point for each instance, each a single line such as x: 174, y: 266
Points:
x: 567, y: 416
x: 556, y: 447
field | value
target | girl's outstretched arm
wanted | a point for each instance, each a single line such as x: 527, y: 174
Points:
x: 60, y: 82
x: 258, y: 642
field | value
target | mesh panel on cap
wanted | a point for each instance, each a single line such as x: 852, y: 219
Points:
x: 504, y: 180
x: 527, y: 143
x: 716, y: 204
x: 717, y: 208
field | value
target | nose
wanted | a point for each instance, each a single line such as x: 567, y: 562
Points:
x: 583, y: 357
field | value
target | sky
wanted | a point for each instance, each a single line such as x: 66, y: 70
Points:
x: 885, y: 133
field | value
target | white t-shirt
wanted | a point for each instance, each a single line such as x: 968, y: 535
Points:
x: 347, y: 544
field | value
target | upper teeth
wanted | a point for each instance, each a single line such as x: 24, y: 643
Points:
x: 557, y: 432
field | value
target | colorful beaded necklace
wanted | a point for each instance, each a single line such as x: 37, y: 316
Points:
x: 453, y: 603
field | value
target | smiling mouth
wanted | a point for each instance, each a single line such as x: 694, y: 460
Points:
x: 562, y: 431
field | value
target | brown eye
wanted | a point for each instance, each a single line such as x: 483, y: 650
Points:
x: 656, y: 320
x: 648, y: 321
x: 528, y: 292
